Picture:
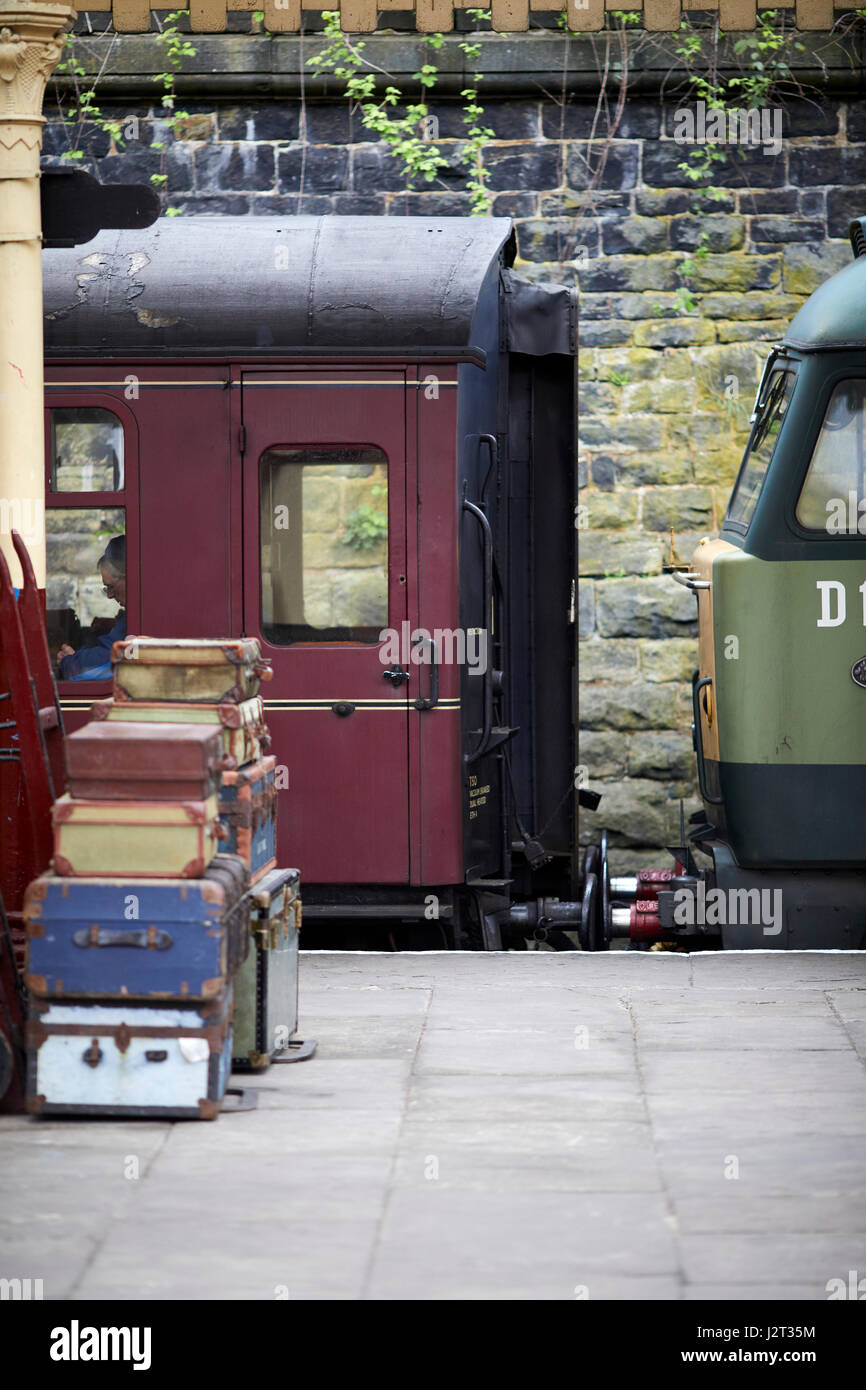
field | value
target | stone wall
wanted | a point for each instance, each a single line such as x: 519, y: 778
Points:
x: 681, y: 295
x: 345, y: 566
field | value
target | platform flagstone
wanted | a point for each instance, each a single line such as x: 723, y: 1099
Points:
x: 516, y: 1127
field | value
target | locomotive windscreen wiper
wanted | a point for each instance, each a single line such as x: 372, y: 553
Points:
x: 767, y: 410
x: 770, y: 363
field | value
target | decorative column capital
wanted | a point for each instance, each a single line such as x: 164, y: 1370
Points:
x: 31, y: 41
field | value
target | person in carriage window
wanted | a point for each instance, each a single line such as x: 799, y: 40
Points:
x: 92, y: 661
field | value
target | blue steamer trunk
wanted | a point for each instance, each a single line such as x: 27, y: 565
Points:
x: 100, y: 938
x: 129, y: 1060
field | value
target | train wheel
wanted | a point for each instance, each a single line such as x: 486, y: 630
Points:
x: 588, y: 865
x: 605, y: 921
x: 588, y: 930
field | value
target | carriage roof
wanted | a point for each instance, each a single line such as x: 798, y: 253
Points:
x: 275, y: 284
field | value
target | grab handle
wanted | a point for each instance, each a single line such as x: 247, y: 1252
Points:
x: 430, y: 701
x: 149, y: 938
x: 697, y: 687
x: 481, y: 746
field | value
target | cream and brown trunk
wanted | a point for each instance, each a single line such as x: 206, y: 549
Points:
x: 30, y: 45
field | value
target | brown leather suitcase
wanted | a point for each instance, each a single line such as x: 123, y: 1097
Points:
x: 156, y: 668
x: 244, y: 733
x: 146, y: 762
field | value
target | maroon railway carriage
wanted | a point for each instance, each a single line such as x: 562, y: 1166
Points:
x: 352, y: 438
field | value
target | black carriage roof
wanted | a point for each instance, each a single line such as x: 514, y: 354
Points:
x: 198, y: 285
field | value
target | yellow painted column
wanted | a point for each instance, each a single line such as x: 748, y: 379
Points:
x: 30, y: 46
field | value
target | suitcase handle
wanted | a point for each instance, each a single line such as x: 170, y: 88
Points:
x: 263, y: 669
x: 227, y: 763
x: 149, y: 938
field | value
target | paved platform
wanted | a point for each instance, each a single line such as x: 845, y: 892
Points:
x: 521, y: 1126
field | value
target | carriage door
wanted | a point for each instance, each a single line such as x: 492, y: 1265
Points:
x: 324, y: 460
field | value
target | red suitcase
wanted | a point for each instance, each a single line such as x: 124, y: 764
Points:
x: 146, y: 762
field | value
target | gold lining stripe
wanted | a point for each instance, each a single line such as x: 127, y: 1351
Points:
x: 336, y: 699
x: 286, y: 706
x: 361, y: 708
x: 281, y: 382
x: 222, y: 382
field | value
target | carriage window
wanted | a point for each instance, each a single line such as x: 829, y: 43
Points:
x: 85, y: 450
x: 79, y: 612
x: 324, y: 544
x: 771, y: 412
x: 833, y: 497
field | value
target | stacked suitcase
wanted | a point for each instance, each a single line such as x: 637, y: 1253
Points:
x: 139, y: 940
x: 217, y: 685
x: 209, y: 685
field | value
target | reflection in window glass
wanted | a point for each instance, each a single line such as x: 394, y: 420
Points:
x: 833, y: 497
x: 86, y: 450
x: 324, y: 544
x: 753, y: 470
x: 76, y: 538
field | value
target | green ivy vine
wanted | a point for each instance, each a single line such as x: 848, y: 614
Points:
x: 406, y: 126
x: 365, y: 526
x: 764, y: 69
x: 84, y: 110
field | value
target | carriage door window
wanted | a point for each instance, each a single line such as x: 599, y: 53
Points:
x: 85, y: 521
x: 324, y: 544
x: 833, y: 497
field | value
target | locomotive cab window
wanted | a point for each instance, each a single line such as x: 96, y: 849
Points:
x: 85, y: 536
x: 773, y: 400
x: 324, y: 544
x: 833, y: 497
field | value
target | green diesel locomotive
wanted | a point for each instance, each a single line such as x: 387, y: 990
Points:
x: 779, y: 697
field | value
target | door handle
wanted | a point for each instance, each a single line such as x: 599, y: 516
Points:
x: 395, y: 674
x: 433, y: 699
